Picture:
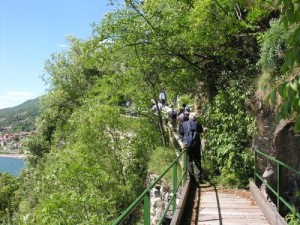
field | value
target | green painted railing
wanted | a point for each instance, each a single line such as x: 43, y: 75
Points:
x: 276, y: 192
x: 145, y: 196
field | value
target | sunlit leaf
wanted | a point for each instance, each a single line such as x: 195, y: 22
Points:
x: 295, y: 85
x: 297, y: 124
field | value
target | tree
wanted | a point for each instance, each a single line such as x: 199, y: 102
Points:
x: 90, y: 162
x: 8, y: 188
x: 69, y: 76
x: 94, y: 177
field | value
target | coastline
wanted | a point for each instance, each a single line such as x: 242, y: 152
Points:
x: 14, y: 156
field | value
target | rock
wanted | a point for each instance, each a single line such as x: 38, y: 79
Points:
x: 279, y: 141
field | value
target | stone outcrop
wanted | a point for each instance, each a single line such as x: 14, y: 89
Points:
x: 160, y: 196
x: 279, y: 141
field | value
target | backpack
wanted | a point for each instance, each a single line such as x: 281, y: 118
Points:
x: 193, y: 134
x: 173, y: 114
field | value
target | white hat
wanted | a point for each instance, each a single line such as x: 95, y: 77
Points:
x: 192, y: 116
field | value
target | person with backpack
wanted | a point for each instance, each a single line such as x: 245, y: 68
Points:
x: 190, y: 130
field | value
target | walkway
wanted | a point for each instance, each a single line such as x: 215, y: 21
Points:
x: 209, y: 206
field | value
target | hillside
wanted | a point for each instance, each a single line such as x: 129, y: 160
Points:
x: 21, y: 117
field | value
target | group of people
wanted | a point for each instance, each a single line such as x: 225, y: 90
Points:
x: 189, y: 128
x: 162, y: 102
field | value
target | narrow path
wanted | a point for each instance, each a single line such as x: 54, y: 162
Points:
x: 207, y: 205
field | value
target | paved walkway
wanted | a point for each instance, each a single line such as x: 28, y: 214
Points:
x: 222, y: 207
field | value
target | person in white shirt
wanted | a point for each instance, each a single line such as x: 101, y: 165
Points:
x: 163, y: 97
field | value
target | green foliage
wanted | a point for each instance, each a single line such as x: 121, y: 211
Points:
x: 88, y: 163
x: 21, y: 117
x: 292, y: 218
x: 93, y: 177
x: 229, y: 134
x: 160, y: 159
x: 289, y: 106
x: 265, y: 83
x: 36, y: 146
x: 259, y: 10
x: 186, y: 99
x: 8, y: 187
x: 69, y: 75
x: 273, y: 47
x: 291, y: 20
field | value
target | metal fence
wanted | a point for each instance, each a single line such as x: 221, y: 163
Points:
x: 145, y: 196
x: 276, y: 192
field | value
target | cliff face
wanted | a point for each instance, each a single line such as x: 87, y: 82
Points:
x: 279, y: 141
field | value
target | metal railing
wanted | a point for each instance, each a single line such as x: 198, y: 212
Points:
x: 145, y: 196
x: 276, y: 192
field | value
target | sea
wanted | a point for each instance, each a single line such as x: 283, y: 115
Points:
x: 12, y: 166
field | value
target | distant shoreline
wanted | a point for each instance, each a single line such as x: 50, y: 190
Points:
x: 14, y: 156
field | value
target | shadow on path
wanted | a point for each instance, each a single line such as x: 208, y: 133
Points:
x: 193, y: 207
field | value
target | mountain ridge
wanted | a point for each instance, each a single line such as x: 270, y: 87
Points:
x: 21, y: 117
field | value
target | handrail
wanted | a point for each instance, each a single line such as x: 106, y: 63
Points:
x: 277, y: 192
x: 146, y: 194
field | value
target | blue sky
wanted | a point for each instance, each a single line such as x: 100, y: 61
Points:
x: 30, y: 31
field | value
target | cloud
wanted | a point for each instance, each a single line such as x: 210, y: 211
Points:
x: 62, y: 45
x: 15, y: 95
x: 14, y: 98
x: 2, y: 106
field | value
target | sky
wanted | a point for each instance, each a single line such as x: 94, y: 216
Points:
x: 30, y: 31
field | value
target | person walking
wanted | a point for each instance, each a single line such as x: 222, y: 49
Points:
x: 163, y: 97
x: 173, y: 117
x: 183, y: 116
x: 190, y: 130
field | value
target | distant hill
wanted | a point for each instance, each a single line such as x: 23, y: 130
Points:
x: 21, y: 117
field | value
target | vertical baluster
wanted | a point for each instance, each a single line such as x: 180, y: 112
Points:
x: 255, y: 165
x: 147, y: 208
x: 184, y: 166
x: 278, y: 185
x: 174, y: 185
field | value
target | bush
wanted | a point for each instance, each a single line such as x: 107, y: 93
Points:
x: 229, y: 136
x: 94, y: 175
x: 161, y: 158
x: 8, y: 187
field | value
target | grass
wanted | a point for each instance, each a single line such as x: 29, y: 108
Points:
x: 160, y: 160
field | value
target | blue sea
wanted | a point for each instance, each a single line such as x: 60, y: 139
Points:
x: 11, y: 165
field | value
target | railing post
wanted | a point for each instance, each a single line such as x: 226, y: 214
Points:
x: 255, y: 165
x: 145, y: 196
x: 147, y: 208
x: 174, y: 185
x: 278, y: 185
x: 184, y: 166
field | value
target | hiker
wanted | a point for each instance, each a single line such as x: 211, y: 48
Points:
x: 163, y: 97
x: 187, y: 108
x: 173, y: 116
x: 183, y: 116
x: 154, y: 106
x: 191, y: 130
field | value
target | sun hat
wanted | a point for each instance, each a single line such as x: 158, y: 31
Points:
x: 192, y: 116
